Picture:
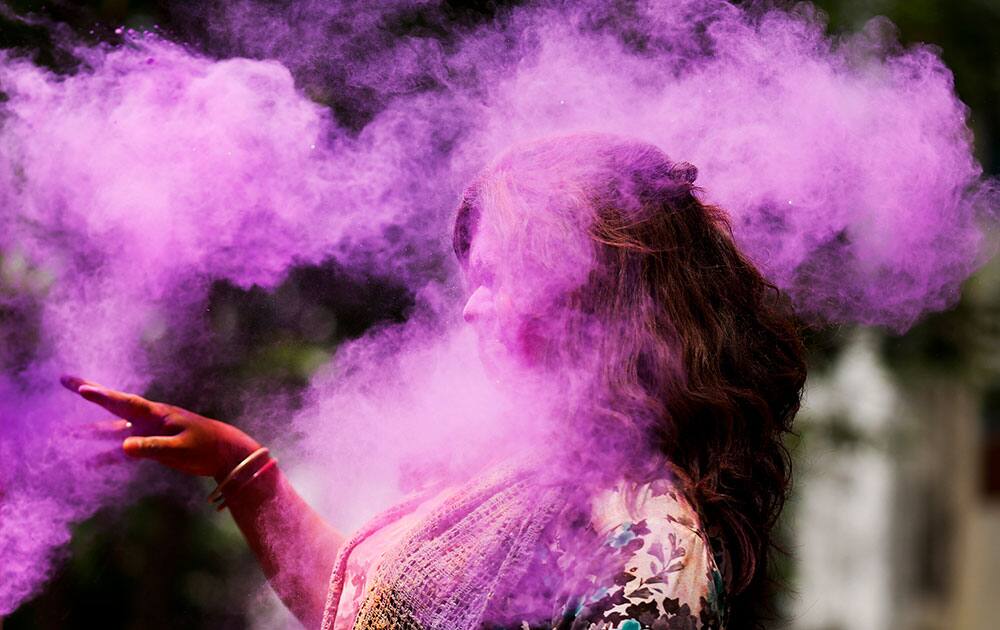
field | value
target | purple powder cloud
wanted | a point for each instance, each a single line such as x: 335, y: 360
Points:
x: 846, y: 165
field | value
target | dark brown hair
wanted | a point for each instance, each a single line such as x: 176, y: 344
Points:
x: 699, y: 354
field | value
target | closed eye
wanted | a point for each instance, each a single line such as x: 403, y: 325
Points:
x: 481, y: 275
x: 487, y: 279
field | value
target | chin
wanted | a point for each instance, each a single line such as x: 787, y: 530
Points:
x: 501, y: 363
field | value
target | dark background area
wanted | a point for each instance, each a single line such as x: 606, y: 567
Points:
x: 169, y: 561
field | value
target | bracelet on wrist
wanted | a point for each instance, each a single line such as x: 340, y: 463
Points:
x: 254, y: 465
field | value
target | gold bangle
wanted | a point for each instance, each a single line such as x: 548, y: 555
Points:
x: 216, y: 494
x: 271, y: 463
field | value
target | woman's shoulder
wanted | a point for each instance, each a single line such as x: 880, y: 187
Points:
x: 662, y: 570
x: 660, y: 503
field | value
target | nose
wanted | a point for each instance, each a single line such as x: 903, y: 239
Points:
x: 478, y: 304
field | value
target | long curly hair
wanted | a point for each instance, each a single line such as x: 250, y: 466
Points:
x: 692, y: 352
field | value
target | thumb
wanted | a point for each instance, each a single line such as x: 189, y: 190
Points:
x: 153, y: 447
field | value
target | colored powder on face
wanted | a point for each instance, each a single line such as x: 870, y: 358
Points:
x: 846, y: 166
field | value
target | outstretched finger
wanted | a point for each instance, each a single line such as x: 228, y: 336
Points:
x: 154, y: 447
x: 147, y: 415
x: 106, y: 459
x: 73, y: 383
x: 115, y: 430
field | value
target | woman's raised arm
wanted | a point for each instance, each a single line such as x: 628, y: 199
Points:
x: 296, y: 548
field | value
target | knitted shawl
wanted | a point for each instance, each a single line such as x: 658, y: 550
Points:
x: 476, y: 546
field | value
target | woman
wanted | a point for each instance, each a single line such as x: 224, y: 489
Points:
x: 671, y: 370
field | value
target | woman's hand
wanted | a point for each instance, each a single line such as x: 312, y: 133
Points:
x: 170, y: 435
x: 294, y: 545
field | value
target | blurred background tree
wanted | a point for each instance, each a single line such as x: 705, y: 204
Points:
x: 167, y: 561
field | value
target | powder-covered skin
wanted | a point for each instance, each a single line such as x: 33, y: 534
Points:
x: 846, y: 165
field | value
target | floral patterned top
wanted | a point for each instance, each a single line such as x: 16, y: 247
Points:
x: 666, y: 578
x: 657, y: 569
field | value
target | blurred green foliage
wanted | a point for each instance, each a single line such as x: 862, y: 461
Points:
x: 168, y: 561
x: 155, y: 564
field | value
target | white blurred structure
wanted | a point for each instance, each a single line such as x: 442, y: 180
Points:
x: 891, y: 530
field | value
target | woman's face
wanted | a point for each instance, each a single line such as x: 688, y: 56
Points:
x: 490, y: 308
